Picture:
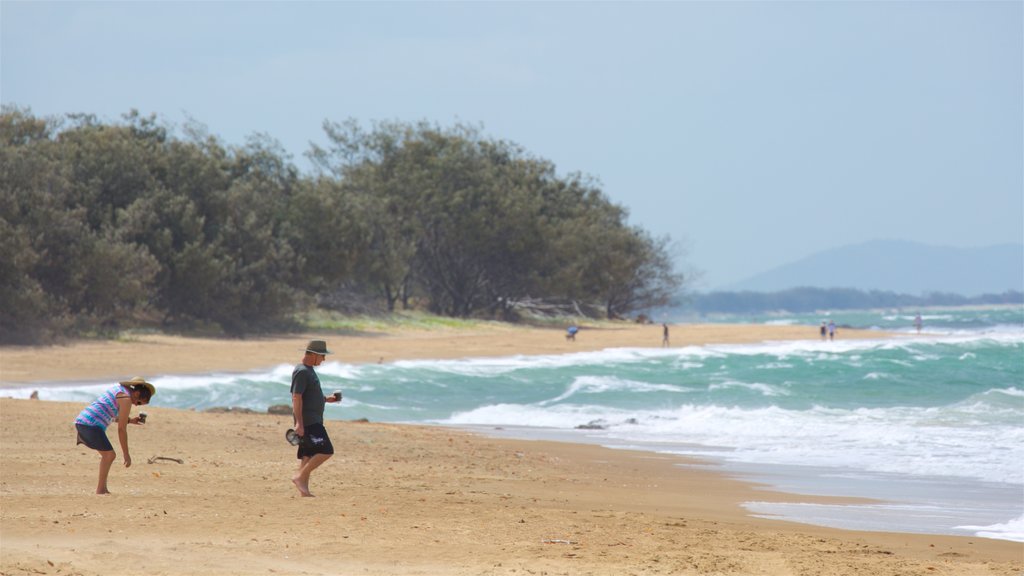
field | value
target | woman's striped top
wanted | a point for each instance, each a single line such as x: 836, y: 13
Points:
x: 103, y: 409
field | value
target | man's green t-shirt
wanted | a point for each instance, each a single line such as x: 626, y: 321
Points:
x: 306, y: 382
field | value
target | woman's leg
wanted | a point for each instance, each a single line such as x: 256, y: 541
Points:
x: 107, y: 458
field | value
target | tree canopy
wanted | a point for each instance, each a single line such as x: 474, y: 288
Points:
x: 107, y: 225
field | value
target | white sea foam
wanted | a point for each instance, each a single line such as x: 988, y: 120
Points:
x: 905, y: 440
x: 338, y: 369
x: 775, y: 366
x: 695, y: 356
x: 764, y: 389
x: 563, y: 416
x: 599, y: 384
x: 918, y: 516
x: 1011, y: 530
x: 502, y: 365
x: 902, y: 440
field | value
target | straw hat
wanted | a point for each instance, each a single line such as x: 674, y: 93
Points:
x: 140, y: 381
x: 318, y: 347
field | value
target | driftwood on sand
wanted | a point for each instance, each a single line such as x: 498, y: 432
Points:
x: 155, y: 458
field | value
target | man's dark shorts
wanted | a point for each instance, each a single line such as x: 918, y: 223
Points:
x: 94, y: 437
x: 315, y: 442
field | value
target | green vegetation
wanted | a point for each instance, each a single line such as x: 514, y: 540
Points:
x: 113, y: 226
x: 334, y: 321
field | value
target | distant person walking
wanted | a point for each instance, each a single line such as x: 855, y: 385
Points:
x: 570, y: 334
x: 308, y: 403
x: 664, y: 335
x: 918, y: 322
x: 824, y: 330
x: 831, y: 329
x: 114, y: 404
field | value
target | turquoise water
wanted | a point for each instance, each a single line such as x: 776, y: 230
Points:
x: 934, y: 320
x: 932, y: 425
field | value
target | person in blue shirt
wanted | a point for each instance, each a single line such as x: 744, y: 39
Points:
x: 114, y: 404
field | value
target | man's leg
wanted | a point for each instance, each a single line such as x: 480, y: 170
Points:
x: 301, y: 480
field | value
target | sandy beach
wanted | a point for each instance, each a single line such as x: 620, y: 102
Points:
x: 153, y: 355
x: 398, y: 499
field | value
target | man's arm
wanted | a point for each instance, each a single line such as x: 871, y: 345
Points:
x: 297, y: 414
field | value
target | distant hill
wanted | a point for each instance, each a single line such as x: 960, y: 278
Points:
x: 900, y: 266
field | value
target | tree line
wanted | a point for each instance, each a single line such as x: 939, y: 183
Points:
x: 106, y: 225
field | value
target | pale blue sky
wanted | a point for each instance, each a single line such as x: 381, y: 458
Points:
x: 755, y: 133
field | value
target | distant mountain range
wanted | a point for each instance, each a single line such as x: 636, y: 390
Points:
x: 899, y: 266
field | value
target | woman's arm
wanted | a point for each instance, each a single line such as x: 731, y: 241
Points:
x: 124, y: 409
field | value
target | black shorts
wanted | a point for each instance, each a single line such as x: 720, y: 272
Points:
x: 94, y: 437
x: 316, y: 441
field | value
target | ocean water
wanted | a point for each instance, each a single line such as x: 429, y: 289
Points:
x: 930, y: 426
x: 934, y: 320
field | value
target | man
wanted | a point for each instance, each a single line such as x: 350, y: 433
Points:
x: 308, y: 403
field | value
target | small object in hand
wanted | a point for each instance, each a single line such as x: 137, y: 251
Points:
x: 292, y: 437
x: 337, y: 395
x: 142, y: 417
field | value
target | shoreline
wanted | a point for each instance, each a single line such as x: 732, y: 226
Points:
x: 822, y: 496
x: 153, y: 355
x: 411, y: 499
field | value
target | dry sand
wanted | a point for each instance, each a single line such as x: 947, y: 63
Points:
x: 398, y: 499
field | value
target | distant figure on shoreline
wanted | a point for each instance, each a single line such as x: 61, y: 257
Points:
x: 824, y: 330
x: 831, y: 329
x: 918, y: 322
x: 664, y: 335
x: 570, y: 334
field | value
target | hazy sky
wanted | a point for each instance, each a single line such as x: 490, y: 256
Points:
x: 755, y: 133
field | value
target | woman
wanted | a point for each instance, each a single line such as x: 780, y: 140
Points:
x: 115, y: 403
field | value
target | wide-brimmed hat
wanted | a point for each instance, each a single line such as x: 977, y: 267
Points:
x: 140, y: 381
x: 317, y: 347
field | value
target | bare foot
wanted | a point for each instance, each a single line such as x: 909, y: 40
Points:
x: 303, y: 488
x: 103, y: 491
